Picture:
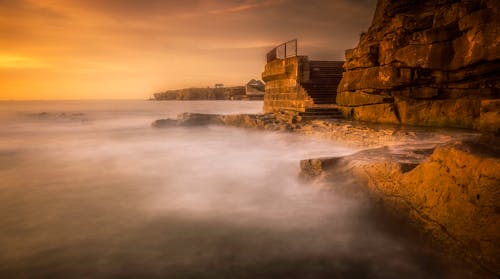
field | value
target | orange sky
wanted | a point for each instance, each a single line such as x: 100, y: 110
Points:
x: 128, y: 49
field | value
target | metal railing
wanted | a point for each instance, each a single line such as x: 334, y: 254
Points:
x: 285, y: 50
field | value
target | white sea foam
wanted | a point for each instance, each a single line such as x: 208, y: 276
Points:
x: 88, y: 189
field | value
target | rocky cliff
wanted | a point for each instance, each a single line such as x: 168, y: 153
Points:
x: 427, y: 62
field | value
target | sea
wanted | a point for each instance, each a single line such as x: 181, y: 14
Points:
x: 89, y: 190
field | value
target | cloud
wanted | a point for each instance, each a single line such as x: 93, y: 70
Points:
x: 172, y: 41
x: 245, y: 6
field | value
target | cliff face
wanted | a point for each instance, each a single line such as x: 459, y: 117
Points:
x: 430, y: 63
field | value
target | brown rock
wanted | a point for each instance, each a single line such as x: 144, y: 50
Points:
x: 452, y: 196
x: 381, y: 113
x: 460, y: 113
x: 446, y: 52
x: 197, y: 119
x: 164, y: 123
x: 360, y: 98
x: 489, y: 119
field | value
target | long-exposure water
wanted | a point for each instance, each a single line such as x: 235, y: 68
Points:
x: 89, y: 190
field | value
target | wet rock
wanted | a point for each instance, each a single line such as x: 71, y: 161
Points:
x: 311, y: 168
x: 451, y: 194
x: 164, y: 123
x: 197, y: 119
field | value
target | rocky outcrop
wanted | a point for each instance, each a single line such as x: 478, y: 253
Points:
x: 451, y: 193
x: 348, y: 133
x: 279, y: 121
x: 431, y: 63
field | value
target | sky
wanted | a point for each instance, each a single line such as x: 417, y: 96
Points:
x: 129, y: 49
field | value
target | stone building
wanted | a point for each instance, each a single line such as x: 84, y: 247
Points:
x: 254, y: 90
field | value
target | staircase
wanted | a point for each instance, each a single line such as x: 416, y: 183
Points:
x: 323, y: 112
x: 322, y: 88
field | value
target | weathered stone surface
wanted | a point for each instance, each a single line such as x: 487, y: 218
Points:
x: 461, y: 113
x: 310, y: 168
x: 490, y: 116
x: 380, y: 113
x: 445, y: 52
x: 360, y: 98
x: 451, y: 194
x: 283, y: 90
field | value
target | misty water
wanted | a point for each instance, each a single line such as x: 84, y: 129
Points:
x: 88, y: 189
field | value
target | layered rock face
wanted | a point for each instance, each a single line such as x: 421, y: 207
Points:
x: 429, y: 63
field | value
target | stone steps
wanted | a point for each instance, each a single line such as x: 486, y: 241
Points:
x: 324, y: 77
x: 313, y: 113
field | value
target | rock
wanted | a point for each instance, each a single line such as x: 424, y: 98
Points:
x: 381, y: 113
x: 451, y: 194
x: 489, y: 119
x: 311, y: 168
x: 197, y: 119
x: 360, y: 98
x: 442, y: 58
x: 164, y: 123
x: 460, y: 113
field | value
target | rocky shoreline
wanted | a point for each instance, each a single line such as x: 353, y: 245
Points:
x: 442, y: 182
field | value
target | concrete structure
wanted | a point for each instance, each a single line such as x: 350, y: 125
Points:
x: 294, y: 83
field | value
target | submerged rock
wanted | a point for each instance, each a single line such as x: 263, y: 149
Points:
x: 164, y: 123
x: 197, y: 119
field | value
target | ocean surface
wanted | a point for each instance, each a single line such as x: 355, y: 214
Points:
x: 89, y: 190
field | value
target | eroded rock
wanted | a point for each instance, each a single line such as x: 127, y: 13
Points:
x: 451, y: 193
x: 437, y: 61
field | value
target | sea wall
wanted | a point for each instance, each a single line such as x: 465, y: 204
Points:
x: 283, y: 90
x: 430, y: 63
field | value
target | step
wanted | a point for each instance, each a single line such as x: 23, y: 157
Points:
x: 325, y: 62
x: 323, y: 93
x: 321, y: 86
x: 326, y: 69
x: 322, y: 110
x: 308, y: 118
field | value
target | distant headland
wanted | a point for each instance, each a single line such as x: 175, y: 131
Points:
x: 252, y: 91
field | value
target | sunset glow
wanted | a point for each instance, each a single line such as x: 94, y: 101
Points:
x: 76, y: 49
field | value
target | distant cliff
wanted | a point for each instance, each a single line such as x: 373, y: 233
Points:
x: 227, y: 93
x: 427, y: 62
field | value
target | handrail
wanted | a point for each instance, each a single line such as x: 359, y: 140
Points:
x: 284, y: 50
